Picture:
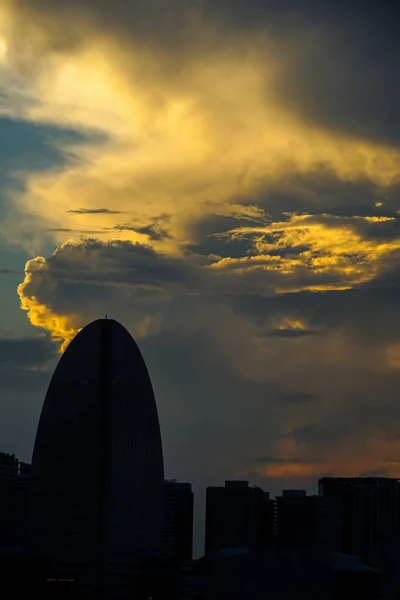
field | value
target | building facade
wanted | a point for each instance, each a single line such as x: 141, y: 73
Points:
x: 370, y: 511
x: 178, y: 522
x: 21, y: 502
x: 233, y: 516
x: 8, y: 489
x: 342, y: 488
x: 14, y: 489
x: 96, y: 504
x: 376, y: 514
x: 268, y: 522
x: 312, y: 522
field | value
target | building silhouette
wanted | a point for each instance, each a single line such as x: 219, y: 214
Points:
x: 287, y: 574
x: 370, y: 512
x: 308, y: 522
x: 233, y: 516
x: 267, y: 522
x: 97, y: 472
x: 14, y: 488
x: 8, y: 487
x: 178, y: 522
x: 376, y: 513
x: 342, y: 488
x: 21, y: 502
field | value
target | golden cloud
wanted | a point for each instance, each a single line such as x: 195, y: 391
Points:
x: 381, y: 456
x: 41, y: 315
x: 292, y: 324
x: 393, y: 355
x: 327, y: 246
x: 182, y: 141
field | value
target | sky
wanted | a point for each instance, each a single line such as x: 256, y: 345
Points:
x: 223, y: 178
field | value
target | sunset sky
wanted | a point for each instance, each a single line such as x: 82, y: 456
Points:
x: 223, y: 178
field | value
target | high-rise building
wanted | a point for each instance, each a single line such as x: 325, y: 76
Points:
x: 178, y: 521
x: 21, y: 502
x: 370, y: 508
x: 268, y: 522
x: 233, y: 516
x: 8, y: 487
x: 97, y: 469
x: 376, y: 513
x: 14, y: 488
x: 341, y: 487
x: 308, y: 521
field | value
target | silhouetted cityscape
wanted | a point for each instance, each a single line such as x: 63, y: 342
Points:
x: 94, y: 517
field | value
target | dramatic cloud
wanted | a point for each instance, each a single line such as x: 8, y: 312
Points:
x: 312, y: 389
x: 290, y: 332
x: 226, y: 184
x: 179, y: 136
x: 155, y: 231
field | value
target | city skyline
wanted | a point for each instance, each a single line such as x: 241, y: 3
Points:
x: 344, y: 538
x: 222, y: 178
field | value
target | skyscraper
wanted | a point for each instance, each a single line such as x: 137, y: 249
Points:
x: 341, y: 487
x: 233, y: 516
x: 21, y: 501
x: 178, y: 521
x: 308, y: 521
x: 97, y: 469
x: 370, y: 508
x: 14, y: 489
x: 8, y: 481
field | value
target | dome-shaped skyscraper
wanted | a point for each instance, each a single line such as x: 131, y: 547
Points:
x: 97, y: 468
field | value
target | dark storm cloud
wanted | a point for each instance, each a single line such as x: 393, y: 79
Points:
x: 205, y: 233
x: 369, y: 312
x: 341, y: 59
x: 323, y: 192
x: 290, y: 333
x: 388, y: 283
x: 107, y: 274
x: 156, y: 230
x: 94, y: 211
x: 344, y: 75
